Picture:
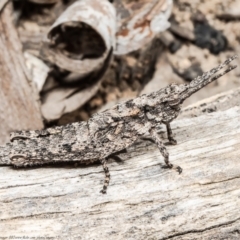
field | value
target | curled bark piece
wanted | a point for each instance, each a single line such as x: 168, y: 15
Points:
x: 145, y: 20
x: 61, y: 100
x: 82, y: 36
x: 38, y: 70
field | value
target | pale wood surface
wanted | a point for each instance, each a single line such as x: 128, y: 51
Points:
x: 19, y: 107
x: 144, y: 200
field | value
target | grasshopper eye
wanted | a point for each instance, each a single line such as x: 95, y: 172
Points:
x: 174, y: 101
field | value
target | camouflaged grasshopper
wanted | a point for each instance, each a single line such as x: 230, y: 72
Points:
x: 107, y: 132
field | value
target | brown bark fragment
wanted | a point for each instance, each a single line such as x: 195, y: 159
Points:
x: 19, y: 107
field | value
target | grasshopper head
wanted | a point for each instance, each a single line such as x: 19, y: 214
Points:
x: 207, y: 77
x: 176, y: 94
x: 173, y: 98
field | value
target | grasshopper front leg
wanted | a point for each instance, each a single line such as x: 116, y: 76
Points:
x: 163, y: 150
x: 170, y: 134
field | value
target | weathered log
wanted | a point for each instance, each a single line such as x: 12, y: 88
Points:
x: 19, y: 107
x: 144, y: 199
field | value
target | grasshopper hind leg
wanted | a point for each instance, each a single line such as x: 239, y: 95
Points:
x: 107, y: 175
x: 106, y: 170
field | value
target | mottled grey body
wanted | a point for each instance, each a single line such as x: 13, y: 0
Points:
x: 103, y: 134
x: 110, y: 131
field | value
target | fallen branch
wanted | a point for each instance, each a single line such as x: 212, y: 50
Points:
x: 144, y: 200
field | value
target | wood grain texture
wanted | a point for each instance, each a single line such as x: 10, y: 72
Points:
x: 19, y: 104
x: 144, y: 199
x: 218, y: 102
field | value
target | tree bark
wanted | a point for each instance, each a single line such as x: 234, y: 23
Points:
x: 19, y: 108
x: 145, y: 200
